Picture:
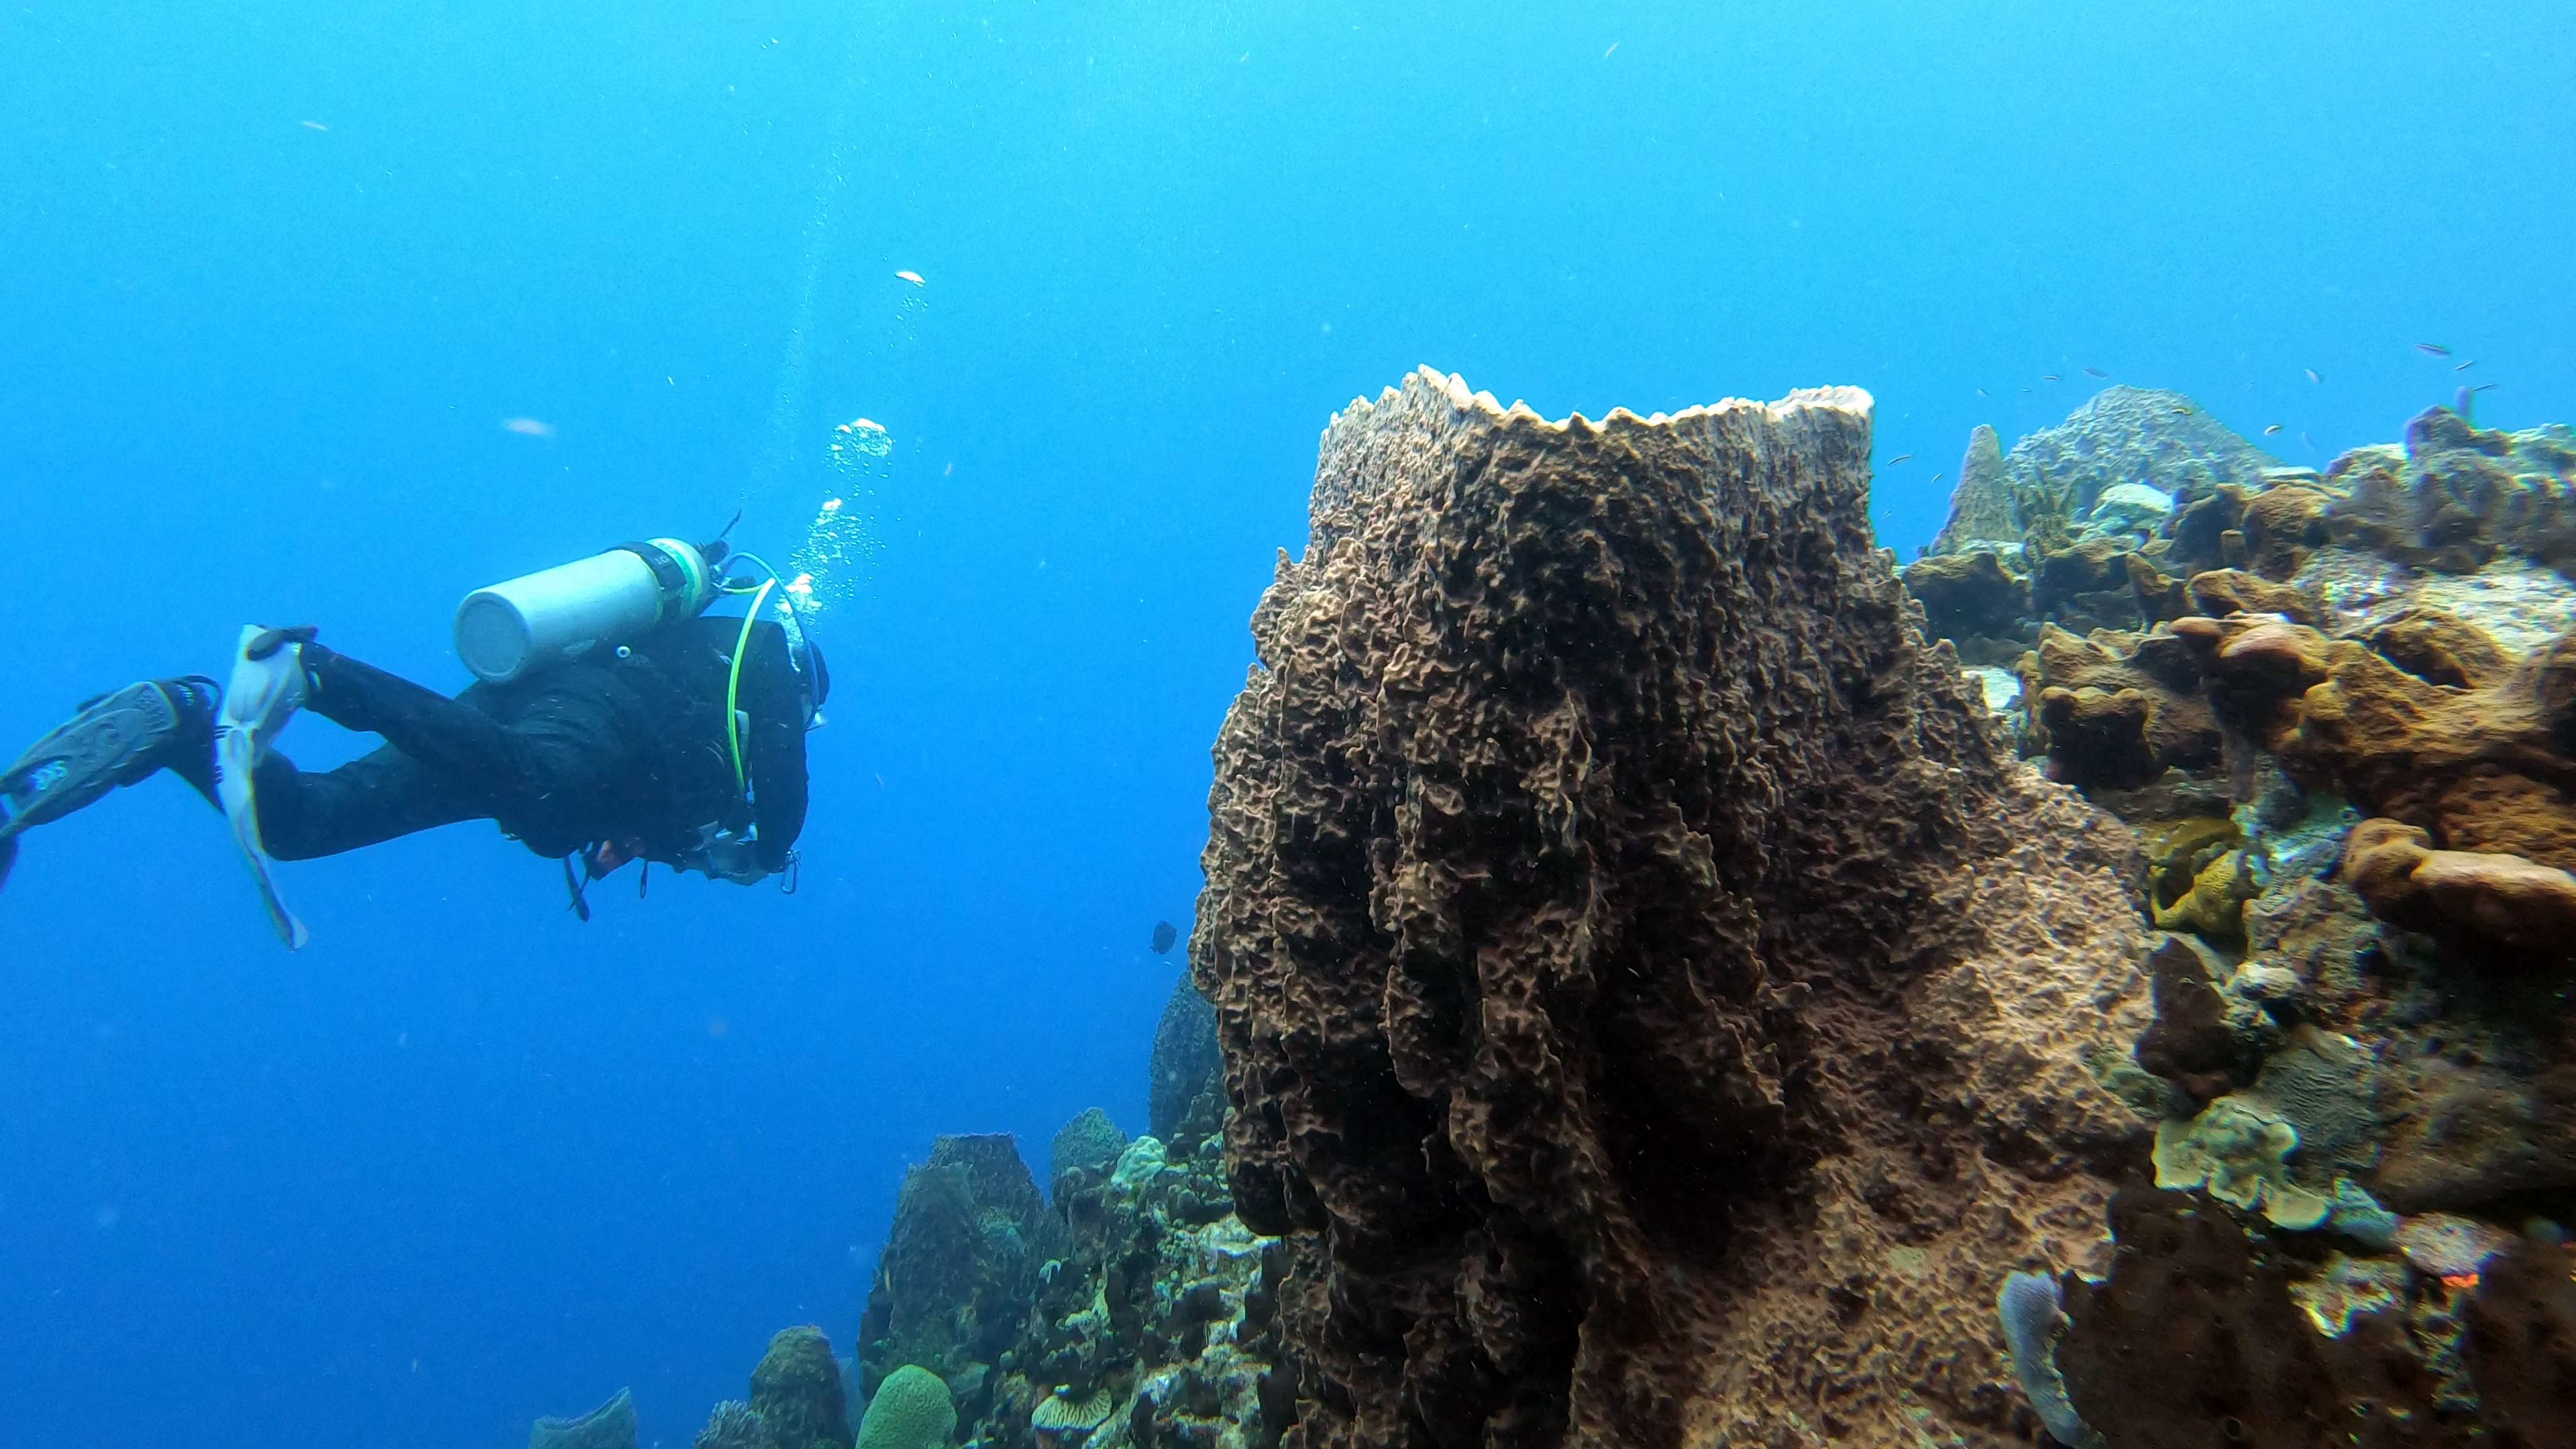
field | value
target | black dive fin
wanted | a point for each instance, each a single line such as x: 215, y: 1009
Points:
x: 8, y: 858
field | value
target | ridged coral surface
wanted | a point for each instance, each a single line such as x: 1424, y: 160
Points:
x: 1649, y: 993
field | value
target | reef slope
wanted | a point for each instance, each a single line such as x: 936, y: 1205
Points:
x: 1656, y: 1007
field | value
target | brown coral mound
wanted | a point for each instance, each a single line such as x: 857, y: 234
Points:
x: 2489, y: 769
x: 2521, y: 1345
x: 2193, y: 1341
x: 2504, y: 899
x: 2116, y: 710
x: 1650, y: 999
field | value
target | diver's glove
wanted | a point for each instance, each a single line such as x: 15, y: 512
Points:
x: 269, y: 641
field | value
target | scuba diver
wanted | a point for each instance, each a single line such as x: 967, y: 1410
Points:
x: 612, y: 720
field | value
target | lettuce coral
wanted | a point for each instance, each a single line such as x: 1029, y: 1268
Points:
x: 2236, y: 1150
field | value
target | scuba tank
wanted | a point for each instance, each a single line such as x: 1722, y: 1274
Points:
x: 509, y: 628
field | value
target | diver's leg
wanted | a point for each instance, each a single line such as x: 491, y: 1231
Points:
x: 367, y: 801
x: 448, y: 735
x: 546, y: 774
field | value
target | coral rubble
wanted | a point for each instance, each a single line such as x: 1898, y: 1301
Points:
x: 1655, y: 1007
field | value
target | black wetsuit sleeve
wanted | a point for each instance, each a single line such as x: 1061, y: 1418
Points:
x: 775, y: 752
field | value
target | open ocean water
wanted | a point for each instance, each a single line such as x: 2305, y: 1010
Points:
x: 330, y: 314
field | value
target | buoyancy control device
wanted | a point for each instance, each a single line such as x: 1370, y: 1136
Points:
x: 608, y: 598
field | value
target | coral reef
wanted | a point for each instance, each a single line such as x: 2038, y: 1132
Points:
x: 2343, y: 725
x: 961, y: 1267
x: 2118, y: 709
x: 1136, y: 1309
x: 910, y: 1410
x: 610, y: 1426
x: 1157, y: 1328
x: 1655, y: 1007
x: 2238, y: 1150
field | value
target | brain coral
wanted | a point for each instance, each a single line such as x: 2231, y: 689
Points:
x: 912, y: 1410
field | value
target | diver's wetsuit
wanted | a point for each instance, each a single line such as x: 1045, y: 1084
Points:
x: 629, y: 751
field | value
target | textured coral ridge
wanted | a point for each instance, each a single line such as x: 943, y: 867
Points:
x: 1654, y: 1007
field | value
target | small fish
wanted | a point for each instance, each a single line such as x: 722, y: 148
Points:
x: 1900, y: 458
x: 2465, y: 366
x: 2312, y: 375
x: 912, y: 277
x: 2096, y: 372
x: 2050, y: 377
x: 313, y: 125
x: 1614, y: 45
x: 528, y: 427
x: 2482, y: 387
x: 1981, y: 392
x: 2181, y: 411
x: 2269, y: 431
x: 1937, y: 477
x: 2435, y: 348
x: 1164, y: 935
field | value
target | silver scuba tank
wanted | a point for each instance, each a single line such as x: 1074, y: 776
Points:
x: 556, y: 613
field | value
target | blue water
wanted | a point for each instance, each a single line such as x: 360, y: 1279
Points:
x: 464, y: 1160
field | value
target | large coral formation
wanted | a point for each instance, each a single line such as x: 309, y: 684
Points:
x: 1653, y: 1006
x: 1088, y: 1144
x: 2483, y: 769
x: 797, y: 1393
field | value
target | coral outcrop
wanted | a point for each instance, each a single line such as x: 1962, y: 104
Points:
x: 1186, y: 1065
x: 797, y: 1393
x: 961, y: 1267
x: 1655, y: 1007
x: 1147, y: 1314
x: 2506, y: 901
x: 1088, y: 1145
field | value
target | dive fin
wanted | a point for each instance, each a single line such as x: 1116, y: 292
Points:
x: 8, y: 858
x: 115, y: 739
x: 264, y: 694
